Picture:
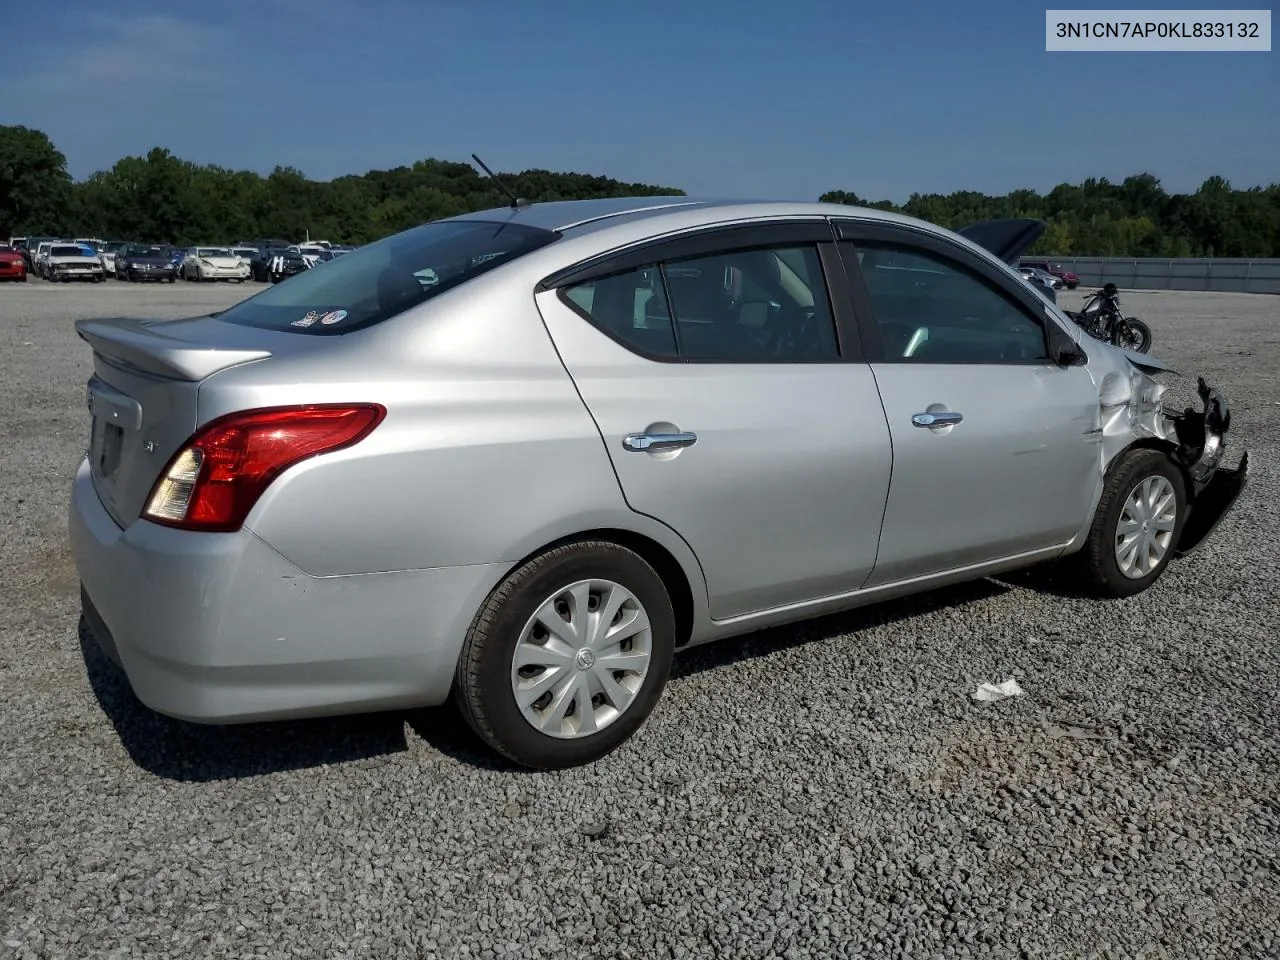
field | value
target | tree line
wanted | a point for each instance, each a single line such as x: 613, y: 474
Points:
x: 1134, y: 218
x: 163, y: 198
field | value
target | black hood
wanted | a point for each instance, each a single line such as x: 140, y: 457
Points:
x: 1007, y: 239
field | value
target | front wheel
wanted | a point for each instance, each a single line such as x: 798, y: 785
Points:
x: 568, y: 656
x: 1132, y: 334
x: 1137, y: 525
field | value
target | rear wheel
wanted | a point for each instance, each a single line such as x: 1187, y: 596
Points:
x: 568, y: 656
x: 1137, y: 525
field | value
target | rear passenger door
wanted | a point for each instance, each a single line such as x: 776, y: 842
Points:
x: 728, y: 385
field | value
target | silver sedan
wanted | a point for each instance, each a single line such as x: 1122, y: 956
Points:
x: 522, y: 457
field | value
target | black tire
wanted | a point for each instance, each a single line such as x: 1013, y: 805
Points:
x: 1097, y: 561
x: 482, y: 684
x: 1132, y: 334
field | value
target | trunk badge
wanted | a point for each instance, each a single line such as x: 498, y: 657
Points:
x: 149, y: 446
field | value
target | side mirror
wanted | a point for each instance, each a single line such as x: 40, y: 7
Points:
x: 1067, y: 353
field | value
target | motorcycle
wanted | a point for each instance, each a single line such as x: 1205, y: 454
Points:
x: 1100, y: 317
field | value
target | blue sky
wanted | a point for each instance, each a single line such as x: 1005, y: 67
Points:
x: 723, y: 97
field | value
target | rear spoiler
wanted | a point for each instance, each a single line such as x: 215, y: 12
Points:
x: 1007, y: 239
x: 136, y: 344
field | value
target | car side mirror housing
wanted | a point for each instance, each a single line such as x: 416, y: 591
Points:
x: 1067, y: 353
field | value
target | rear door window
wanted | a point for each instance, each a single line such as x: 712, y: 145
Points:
x: 758, y: 305
x: 383, y: 279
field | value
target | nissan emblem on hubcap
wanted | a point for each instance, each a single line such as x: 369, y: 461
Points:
x: 585, y: 659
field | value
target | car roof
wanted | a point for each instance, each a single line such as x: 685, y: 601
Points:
x: 583, y: 216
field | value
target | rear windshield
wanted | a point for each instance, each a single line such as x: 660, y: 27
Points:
x: 386, y: 278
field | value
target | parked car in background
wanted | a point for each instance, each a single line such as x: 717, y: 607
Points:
x: 90, y: 243
x: 31, y: 250
x: 107, y: 254
x: 213, y: 263
x: 314, y: 254
x: 1046, y: 288
x: 12, y: 264
x: 1042, y: 277
x: 245, y: 253
x: 41, y: 257
x: 73, y: 261
x: 338, y: 249
x: 142, y: 261
x: 611, y: 430
x: 1054, y: 269
x: 274, y: 264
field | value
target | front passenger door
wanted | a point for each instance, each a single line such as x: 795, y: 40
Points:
x: 994, y: 452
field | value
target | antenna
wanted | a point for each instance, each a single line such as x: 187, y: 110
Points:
x: 516, y: 202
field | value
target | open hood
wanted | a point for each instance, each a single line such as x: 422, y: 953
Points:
x: 1007, y: 239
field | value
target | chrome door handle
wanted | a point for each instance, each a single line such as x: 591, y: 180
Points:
x: 941, y: 419
x: 648, y: 442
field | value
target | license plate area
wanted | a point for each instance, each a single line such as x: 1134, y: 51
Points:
x: 105, y: 445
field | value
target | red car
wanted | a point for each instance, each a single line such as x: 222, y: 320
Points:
x: 1048, y: 266
x: 12, y: 266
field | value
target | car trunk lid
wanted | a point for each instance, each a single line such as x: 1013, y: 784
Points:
x: 143, y: 394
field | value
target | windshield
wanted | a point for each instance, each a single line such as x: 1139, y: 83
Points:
x: 383, y: 279
x: 213, y: 252
x: 69, y: 252
x: 141, y: 251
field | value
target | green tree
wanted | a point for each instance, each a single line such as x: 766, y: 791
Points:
x: 35, y: 188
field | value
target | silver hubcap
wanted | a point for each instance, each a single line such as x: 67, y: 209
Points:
x: 581, y: 659
x: 1145, y: 531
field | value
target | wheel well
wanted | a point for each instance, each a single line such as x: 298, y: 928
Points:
x: 657, y: 556
x: 1163, y: 446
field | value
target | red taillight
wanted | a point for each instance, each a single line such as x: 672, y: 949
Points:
x: 215, y: 479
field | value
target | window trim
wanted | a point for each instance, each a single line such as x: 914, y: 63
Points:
x: 658, y: 252
x: 851, y: 232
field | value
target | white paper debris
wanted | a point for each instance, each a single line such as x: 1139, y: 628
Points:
x: 994, y: 691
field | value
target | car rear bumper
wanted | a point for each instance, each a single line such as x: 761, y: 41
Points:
x: 219, y: 628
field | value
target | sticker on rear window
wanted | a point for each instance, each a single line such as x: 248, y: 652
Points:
x: 333, y: 316
x: 308, y: 320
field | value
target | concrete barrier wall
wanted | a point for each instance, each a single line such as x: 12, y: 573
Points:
x: 1154, y: 273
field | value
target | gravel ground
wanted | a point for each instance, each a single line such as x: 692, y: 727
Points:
x: 827, y: 790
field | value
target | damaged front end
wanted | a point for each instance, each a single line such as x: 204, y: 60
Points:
x: 1195, y: 440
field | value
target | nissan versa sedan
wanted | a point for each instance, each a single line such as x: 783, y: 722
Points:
x: 605, y: 431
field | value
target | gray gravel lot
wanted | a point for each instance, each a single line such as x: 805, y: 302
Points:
x: 820, y: 791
